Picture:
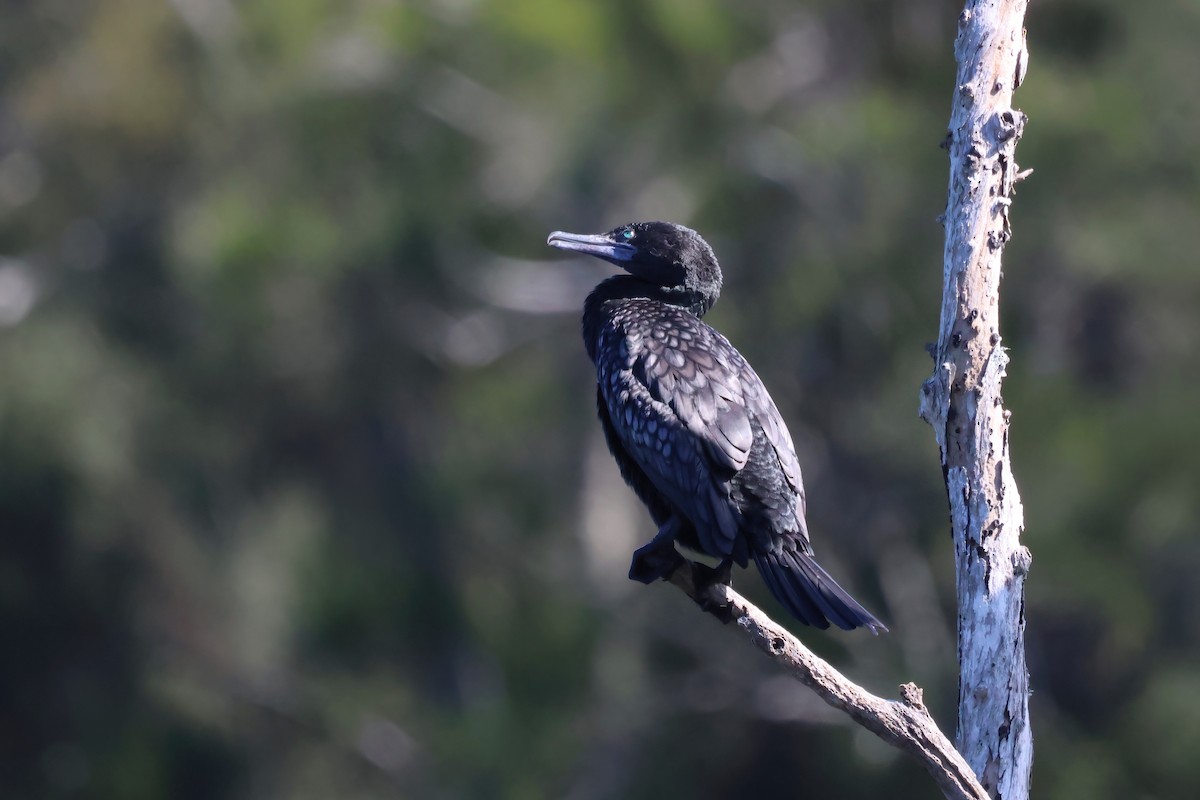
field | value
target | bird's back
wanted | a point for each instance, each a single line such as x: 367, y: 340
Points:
x: 684, y: 406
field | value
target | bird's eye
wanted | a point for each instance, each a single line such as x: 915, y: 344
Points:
x: 628, y: 234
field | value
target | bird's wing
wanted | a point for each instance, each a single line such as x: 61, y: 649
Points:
x: 763, y: 408
x: 683, y: 401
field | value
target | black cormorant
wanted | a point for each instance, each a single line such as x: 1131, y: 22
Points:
x: 691, y: 426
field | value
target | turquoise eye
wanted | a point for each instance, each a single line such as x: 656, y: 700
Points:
x: 628, y: 234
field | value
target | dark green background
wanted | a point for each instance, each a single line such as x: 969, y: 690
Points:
x: 301, y: 493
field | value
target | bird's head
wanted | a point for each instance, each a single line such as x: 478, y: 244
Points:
x: 669, y: 257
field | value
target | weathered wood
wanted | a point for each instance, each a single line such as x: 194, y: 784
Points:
x: 905, y: 723
x: 962, y: 400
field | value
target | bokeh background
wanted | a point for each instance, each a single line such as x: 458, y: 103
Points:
x: 301, y: 491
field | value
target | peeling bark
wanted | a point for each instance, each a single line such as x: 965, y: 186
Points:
x: 962, y: 400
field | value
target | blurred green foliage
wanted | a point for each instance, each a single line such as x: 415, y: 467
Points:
x: 301, y: 494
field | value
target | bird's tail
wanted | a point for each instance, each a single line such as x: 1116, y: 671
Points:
x: 810, y: 594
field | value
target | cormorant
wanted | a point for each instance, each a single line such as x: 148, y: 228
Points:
x: 691, y: 426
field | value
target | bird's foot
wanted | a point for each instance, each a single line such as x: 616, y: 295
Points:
x: 721, y: 573
x: 655, y: 561
x: 705, y: 577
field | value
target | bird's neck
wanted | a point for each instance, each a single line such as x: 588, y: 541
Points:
x: 628, y: 287
x: 623, y: 287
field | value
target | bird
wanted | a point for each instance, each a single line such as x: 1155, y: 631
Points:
x: 691, y: 426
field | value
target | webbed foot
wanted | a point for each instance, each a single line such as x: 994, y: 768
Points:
x: 655, y: 561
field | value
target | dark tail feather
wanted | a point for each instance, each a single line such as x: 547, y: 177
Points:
x: 810, y: 594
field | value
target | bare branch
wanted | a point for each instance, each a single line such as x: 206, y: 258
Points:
x: 962, y: 400
x: 905, y: 723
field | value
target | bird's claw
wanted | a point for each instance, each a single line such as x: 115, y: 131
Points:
x: 659, y: 560
x: 705, y: 577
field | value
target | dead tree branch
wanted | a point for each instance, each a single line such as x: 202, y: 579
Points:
x: 963, y: 404
x: 905, y: 723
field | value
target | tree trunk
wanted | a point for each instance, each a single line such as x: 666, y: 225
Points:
x: 962, y: 400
